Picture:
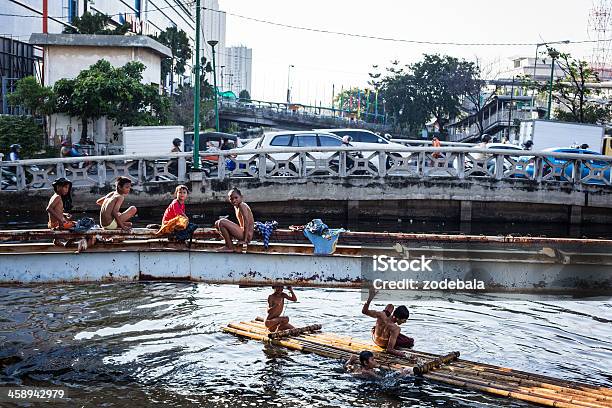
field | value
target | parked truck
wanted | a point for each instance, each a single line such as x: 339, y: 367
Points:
x: 550, y: 133
x: 150, y: 139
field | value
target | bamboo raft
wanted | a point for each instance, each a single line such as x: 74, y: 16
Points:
x: 450, y: 370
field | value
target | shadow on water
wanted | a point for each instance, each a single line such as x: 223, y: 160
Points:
x: 160, y: 344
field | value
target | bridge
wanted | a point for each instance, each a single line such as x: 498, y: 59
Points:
x: 293, y: 116
x: 451, y: 183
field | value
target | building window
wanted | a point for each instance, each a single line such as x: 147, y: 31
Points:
x: 517, y: 63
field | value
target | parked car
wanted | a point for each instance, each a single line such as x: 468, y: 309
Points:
x: 569, y: 169
x: 368, y: 139
x: 291, y: 140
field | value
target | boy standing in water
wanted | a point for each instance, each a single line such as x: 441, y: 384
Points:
x: 386, y: 332
x: 110, y: 217
x: 229, y: 230
x: 276, y: 303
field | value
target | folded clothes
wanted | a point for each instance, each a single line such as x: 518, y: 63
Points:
x: 83, y: 225
x: 265, y: 229
x: 322, y: 237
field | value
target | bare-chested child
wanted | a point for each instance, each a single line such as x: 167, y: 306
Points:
x: 110, y: 217
x: 60, y: 201
x: 386, y: 332
x: 365, y: 366
x: 243, y: 231
x: 276, y: 303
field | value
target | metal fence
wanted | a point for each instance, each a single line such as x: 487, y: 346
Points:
x: 302, y: 163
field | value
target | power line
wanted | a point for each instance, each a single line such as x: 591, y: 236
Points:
x: 372, y: 37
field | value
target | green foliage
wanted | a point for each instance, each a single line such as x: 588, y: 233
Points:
x: 117, y: 93
x: 178, y: 42
x: 244, y: 96
x: 181, y: 109
x: 23, y: 130
x: 38, y: 99
x: 96, y: 24
x: 577, y: 103
x: 431, y: 88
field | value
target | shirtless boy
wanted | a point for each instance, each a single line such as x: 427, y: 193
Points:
x: 58, y: 219
x: 110, y: 217
x: 276, y: 303
x: 229, y: 230
x: 386, y: 332
x: 365, y: 365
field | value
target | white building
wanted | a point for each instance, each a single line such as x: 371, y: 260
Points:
x: 213, y: 28
x: 66, y: 55
x: 238, y: 71
x: 147, y: 17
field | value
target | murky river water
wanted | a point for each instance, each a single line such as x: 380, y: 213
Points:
x: 160, y: 344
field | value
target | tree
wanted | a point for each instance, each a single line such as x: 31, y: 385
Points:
x: 22, y: 130
x: 30, y: 94
x: 441, y: 82
x: 116, y: 93
x: 577, y: 102
x: 96, y: 24
x: 178, y: 42
x: 244, y: 96
x: 431, y: 88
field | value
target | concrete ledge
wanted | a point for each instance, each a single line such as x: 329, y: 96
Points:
x: 94, y: 40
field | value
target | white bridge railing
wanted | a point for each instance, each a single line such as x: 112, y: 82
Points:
x: 302, y: 163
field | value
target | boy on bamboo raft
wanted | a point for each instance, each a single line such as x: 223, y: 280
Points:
x: 276, y: 303
x: 386, y: 332
x: 110, y: 204
x: 243, y: 231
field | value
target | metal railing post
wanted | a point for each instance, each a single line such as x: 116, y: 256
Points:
x: 101, y: 173
x: 382, y: 164
x: 261, y: 164
x: 182, y: 169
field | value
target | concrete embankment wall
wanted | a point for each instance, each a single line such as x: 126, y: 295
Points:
x: 432, y: 199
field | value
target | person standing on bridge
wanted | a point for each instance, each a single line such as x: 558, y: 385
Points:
x: 176, y: 145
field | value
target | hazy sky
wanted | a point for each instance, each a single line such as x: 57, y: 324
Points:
x: 324, y: 59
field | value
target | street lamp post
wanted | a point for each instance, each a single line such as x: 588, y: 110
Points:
x: 554, y: 54
x: 196, y: 105
x: 222, y: 83
x: 212, y: 43
x: 288, y: 83
x: 535, y: 64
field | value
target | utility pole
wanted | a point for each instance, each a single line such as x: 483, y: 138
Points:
x: 212, y: 43
x: 196, y: 105
x: 554, y: 54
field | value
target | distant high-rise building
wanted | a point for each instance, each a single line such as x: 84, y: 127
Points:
x: 213, y: 28
x: 238, y: 71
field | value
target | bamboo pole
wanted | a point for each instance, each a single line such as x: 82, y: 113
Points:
x: 500, y: 389
x: 532, y: 383
x: 436, y: 363
x: 294, y: 332
x: 510, y: 385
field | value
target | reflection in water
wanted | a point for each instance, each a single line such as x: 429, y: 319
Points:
x: 159, y: 344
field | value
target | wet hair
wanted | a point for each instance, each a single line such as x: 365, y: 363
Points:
x: 179, y: 188
x: 234, y: 190
x: 401, y: 312
x: 364, y: 356
x: 122, y: 181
